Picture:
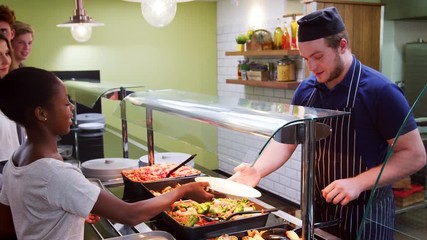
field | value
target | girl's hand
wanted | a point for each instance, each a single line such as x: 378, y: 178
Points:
x: 92, y: 218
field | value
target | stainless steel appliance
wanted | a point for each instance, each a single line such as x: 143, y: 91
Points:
x: 415, y: 78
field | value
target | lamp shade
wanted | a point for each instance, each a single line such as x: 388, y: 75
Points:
x: 80, y: 23
x: 158, y: 13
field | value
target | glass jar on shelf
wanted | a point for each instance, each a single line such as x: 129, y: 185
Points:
x: 285, y: 70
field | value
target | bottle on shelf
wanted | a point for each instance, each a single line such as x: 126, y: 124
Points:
x: 244, y: 68
x: 272, y: 69
x: 286, y: 38
x: 249, y: 33
x: 277, y: 39
x: 239, y: 72
x: 294, y: 32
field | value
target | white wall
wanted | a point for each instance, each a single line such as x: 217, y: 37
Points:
x: 396, y: 35
x: 233, y: 147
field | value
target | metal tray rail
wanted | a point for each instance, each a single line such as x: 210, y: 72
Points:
x: 146, y: 235
x: 240, y: 234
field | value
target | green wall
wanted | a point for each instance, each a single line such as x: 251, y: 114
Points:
x: 127, y: 49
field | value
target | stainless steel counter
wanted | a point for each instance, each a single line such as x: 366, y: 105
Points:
x: 106, y: 229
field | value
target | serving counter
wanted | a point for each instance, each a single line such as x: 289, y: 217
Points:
x: 286, y: 123
x: 107, y: 229
x: 283, y: 122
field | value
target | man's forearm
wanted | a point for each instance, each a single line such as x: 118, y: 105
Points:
x: 273, y: 157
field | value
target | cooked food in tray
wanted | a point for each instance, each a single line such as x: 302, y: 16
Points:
x: 251, y: 235
x: 165, y: 190
x: 227, y: 237
x: 158, y: 171
x: 261, y: 235
x: 192, y: 214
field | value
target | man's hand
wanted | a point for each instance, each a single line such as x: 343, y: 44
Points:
x: 246, y: 174
x: 342, y: 191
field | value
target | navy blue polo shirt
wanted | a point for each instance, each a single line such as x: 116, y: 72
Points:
x: 379, y: 111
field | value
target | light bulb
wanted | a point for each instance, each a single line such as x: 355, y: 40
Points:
x: 158, y: 13
x: 81, y: 32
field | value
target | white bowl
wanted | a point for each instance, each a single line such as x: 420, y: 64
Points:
x: 107, y: 168
x: 168, y: 157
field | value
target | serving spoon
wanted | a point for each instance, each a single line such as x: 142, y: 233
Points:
x: 211, y: 219
x: 180, y: 165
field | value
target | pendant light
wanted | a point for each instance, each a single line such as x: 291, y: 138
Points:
x: 158, y: 13
x: 80, y: 23
x: 177, y: 1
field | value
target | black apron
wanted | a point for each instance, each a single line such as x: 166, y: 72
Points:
x: 336, y: 158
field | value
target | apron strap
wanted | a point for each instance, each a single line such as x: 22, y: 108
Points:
x: 354, y: 84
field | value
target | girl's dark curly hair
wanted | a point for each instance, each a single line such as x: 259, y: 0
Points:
x: 24, y: 89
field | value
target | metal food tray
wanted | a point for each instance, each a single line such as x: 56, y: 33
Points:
x: 244, y: 233
x: 154, y: 235
x: 285, y: 227
x: 213, y: 230
x: 198, y: 232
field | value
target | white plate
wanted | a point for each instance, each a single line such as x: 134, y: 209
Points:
x: 91, y: 126
x: 229, y: 187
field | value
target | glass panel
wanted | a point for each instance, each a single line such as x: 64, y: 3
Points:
x: 87, y: 93
x: 410, y: 219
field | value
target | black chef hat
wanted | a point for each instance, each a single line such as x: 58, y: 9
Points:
x: 319, y: 24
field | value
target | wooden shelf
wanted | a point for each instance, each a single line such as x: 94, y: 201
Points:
x: 264, y: 53
x: 266, y: 84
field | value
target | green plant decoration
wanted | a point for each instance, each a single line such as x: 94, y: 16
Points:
x: 241, y: 39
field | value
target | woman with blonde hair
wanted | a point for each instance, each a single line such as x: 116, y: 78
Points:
x: 8, y: 139
x: 8, y: 130
x: 22, y: 42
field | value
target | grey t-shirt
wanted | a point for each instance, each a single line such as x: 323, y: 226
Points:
x: 49, y: 199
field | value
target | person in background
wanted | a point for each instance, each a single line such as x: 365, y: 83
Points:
x: 22, y: 42
x: 8, y: 140
x: 7, y: 19
x: 10, y: 134
x: 5, y: 56
x: 49, y: 199
x: 348, y: 162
